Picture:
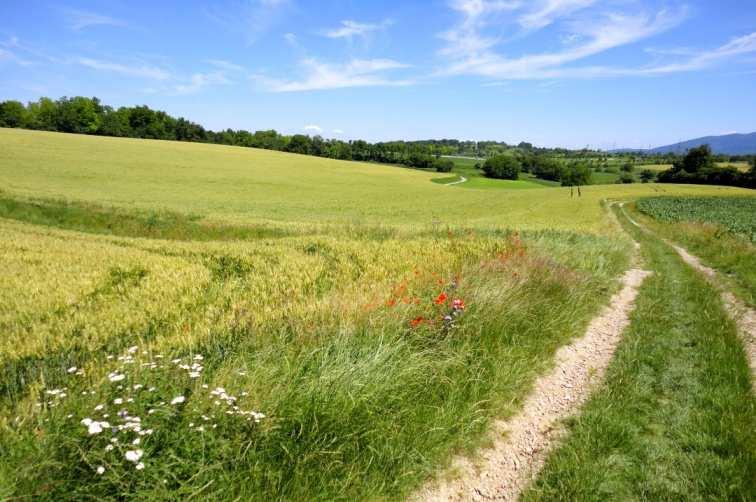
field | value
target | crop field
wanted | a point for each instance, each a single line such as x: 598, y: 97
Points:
x: 721, y: 230
x: 736, y: 214
x: 189, y: 320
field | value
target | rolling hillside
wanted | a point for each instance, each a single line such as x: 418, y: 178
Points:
x: 727, y: 144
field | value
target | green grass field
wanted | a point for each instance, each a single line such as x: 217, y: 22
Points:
x: 232, y: 323
x: 476, y: 179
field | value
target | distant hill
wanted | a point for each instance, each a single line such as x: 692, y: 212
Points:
x: 729, y: 144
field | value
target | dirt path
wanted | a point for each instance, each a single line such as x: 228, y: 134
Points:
x: 521, y: 444
x: 743, y: 316
x: 462, y: 179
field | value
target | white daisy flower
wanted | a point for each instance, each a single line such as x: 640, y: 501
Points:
x: 94, y: 428
x: 178, y: 400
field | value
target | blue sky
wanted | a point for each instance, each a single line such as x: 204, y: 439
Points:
x: 569, y: 73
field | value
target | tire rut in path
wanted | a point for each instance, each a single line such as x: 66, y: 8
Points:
x: 744, y: 317
x: 521, y: 443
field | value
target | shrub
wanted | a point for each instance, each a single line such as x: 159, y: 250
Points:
x: 647, y: 175
x: 626, y: 178
x: 443, y: 165
x: 504, y: 167
x: 547, y: 168
x: 698, y: 167
x: 12, y: 114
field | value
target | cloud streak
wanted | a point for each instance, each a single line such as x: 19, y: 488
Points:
x: 548, y: 11
x: 350, y: 29
x: 79, y: 19
x: 251, y: 19
x: 691, y: 62
x: 199, y: 81
x: 137, y: 70
x: 469, y: 50
x: 325, y: 76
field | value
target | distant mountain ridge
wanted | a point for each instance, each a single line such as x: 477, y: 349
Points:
x: 728, y: 144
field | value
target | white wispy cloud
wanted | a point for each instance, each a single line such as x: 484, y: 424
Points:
x: 291, y: 39
x: 79, y: 19
x: 337, y: 131
x: 467, y: 38
x: 350, y: 29
x: 199, y: 81
x: 222, y: 64
x: 692, y: 61
x: 313, y: 128
x: 10, y: 56
x: 132, y: 70
x: 705, y: 59
x: 24, y: 54
x: 250, y: 18
x: 471, y: 51
x: 545, y: 12
x: 164, y: 81
x: 323, y: 76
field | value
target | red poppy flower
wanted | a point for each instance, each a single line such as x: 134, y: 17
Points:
x: 458, y: 304
x: 417, y: 321
x: 391, y: 302
x: 441, y: 298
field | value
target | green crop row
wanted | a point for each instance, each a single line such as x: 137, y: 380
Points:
x: 736, y: 214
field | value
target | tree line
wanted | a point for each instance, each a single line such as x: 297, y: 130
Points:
x: 698, y: 166
x: 83, y: 115
x: 572, y: 173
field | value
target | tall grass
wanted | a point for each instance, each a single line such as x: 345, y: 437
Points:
x: 313, y: 331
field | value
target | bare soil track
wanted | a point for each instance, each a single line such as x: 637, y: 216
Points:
x: 744, y: 317
x: 521, y: 443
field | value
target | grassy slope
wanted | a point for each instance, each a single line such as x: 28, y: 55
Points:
x: 252, y: 186
x: 674, y: 419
